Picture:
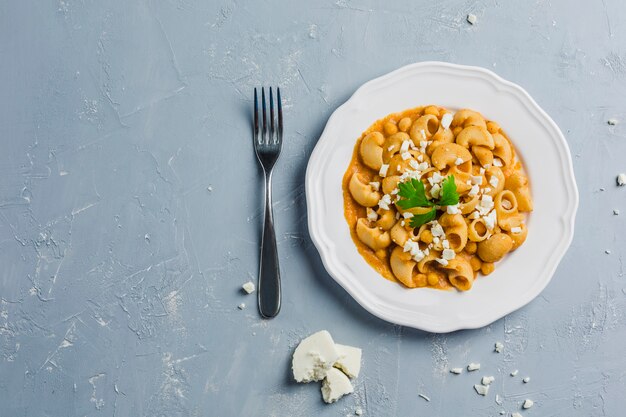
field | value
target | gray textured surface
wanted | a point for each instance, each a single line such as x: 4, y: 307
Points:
x: 121, y: 270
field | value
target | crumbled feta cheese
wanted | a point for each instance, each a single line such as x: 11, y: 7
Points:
x: 494, y: 181
x: 358, y: 412
x: 452, y: 209
x: 497, y: 162
x: 486, y: 201
x: 413, y: 164
x: 487, y: 380
x: 474, y: 215
x: 526, y: 380
x: 448, y: 254
x: 621, y: 179
x: 335, y: 385
x: 402, y: 223
x: 471, y: 18
x: 481, y: 389
x: 527, y: 404
x: 456, y: 371
x: 473, y: 367
x: 420, y: 158
x: 423, y: 166
x: 395, y: 191
x: 486, y: 190
x: 349, y: 360
x: 615, y: 212
x: 446, y: 244
x: 437, y: 230
x: 612, y: 121
x: 443, y: 262
x: 409, y: 246
x: 398, y: 167
x: 371, y: 214
x: 514, y: 372
x: 389, y: 149
x: 446, y: 120
x: 490, y: 219
x: 487, y: 166
x: 375, y: 185
x: 434, y: 190
x: 405, y: 146
x: 608, y: 252
x: 405, y: 156
x: 424, y: 397
x: 516, y: 230
x: 423, y: 132
x: 458, y: 161
x: 476, y: 179
x: 407, y: 215
x: 241, y: 306
x: 314, y: 357
x: 436, y: 178
x: 482, y: 171
x: 383, y: 170
x: 498, y: 347
x: 248, y: 287
x: 384, y: 202
x: 473, y: 191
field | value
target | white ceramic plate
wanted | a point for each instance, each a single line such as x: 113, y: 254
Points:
x: 523, y: 274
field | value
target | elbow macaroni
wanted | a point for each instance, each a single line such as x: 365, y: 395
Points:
x: 465, y: 240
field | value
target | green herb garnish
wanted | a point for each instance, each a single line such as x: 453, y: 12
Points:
x: 413, y: 194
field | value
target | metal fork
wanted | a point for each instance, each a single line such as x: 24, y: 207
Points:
x: 267, y: 148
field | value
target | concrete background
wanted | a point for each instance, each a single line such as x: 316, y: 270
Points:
x: 121, y: 271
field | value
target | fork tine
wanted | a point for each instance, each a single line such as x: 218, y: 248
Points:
x: 264, y: 132
x: 280, y: 115
x: 256, y: 118
x: 272, y: 138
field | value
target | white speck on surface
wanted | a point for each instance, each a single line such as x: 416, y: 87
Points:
x: 615, y: 212
x: 313, y: 31
x: 526, y: 380
x: 487, y: 380
x: 456, y: 371
x: 248, y: 287
x: 63, y: 173
x: 498, y: 347
x: 358, y: 412
x: 612, y: 121
x: 621, y: 179
x: 527, y: 404
x: 502, y: 412
x: 473, y: 367
x: 471, y: 19
x: 498, y: 400
x: 427, y: 398
x: 514, y: 372
x: 516, y: 415
x: 481, y: 389
x: 209, y: 188
x: 608, y: 252
x: 241, y: 306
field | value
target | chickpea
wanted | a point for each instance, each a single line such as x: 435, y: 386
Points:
x: 405, y: 124
x: 390, y: 128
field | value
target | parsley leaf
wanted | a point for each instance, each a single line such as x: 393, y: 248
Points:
x: 413, y: 194
x: 448, y: 196
x: 420, y: 219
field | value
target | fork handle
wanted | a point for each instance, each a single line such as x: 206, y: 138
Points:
x: 269, y: 270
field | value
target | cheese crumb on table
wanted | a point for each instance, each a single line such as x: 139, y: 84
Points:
x: 499, y: 346
x: 358, y: 412
x: 456, y: 371
x: 471, y: 18
x: 516, y: 415
x: 487, y: 380
x: 349, y: 360
x: 514, y: 372
x: 621, y: 179
x: 335, y: 385
x: 314, y: 357
x: 526, y: 380
x: 248, y: 287
x: 616, y: 212
x: 473, y: 367
x: 481, y: 389
x: 241, y: 306
x: 527, y: 404
x: 612, y: 121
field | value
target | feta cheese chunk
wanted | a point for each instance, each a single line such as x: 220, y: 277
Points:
x: 349, y: 360
x: 375, y: 185
x: 527, y: 404
x: 405, y: 156
x: 526, y: 380
x: 473, y: 367
x: 384, y: 202
x: 336, y: 384
x: 473, y: 191
x: 458, y: 161
x: 487, y: 380
x: 498, y: 347
x: 437, y: 230
x: 476, y: 179
x: 471, y: 18
x: 371, y: 214
x: 516, y: 230
x: 497, y: 162
x: 612, y: 121
x: 241, y: 306
x: 514, y: 372
x: 494, y: 181
x: 456, y: 371
x: 383, y: 170
x: 448, y: 254
x: 314, y: 357
x: 481, y: 389
x: 452, y: 209
x: 446, y: 120
x: 405, y: 146
x: 248, y: 287
x: 621, y: 179
x: 434, y: 191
